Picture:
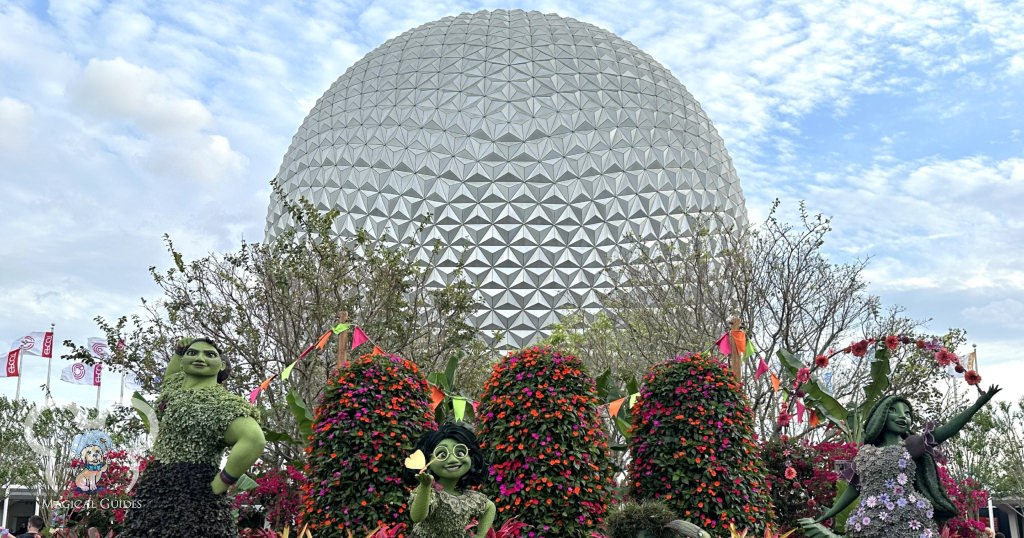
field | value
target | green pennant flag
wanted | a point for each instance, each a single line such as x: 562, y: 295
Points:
x: 632, y: 399
x: 749, y: 352
x: 341, y: 327
x: 288, y: 370
x: 459, y: 406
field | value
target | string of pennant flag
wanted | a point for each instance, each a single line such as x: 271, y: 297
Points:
x: 359, y: 338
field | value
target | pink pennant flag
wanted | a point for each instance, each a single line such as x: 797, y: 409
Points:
x: 476, y: 405
x: 358, y: 337
x: 723, y: 344
x: 254, y: 394
x: 762, y: 368
x: 800, y: 411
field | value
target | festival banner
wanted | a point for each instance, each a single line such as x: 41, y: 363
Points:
x: 82, y: 374
x: 11, y: 364
x: 98, y: 348
x: 39, y: 344
x: 131, y: 381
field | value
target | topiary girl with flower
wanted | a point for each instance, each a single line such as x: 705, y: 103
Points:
x: 895, y: 475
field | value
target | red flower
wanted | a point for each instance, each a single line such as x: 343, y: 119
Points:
x: 859, y: 349
x: 920, y: 344
x: 959, y: 369
x: 821, y: 361
x: 803, y: 375
x: 784, y: 418
x: 790, y: 473
x: 892, y: 342
x: 972, y: 377
x: 944, y: 357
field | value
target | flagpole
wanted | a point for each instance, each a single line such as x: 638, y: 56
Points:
x: 17, y: 391
x: 120, y: 399
x: 98, y: 397
x: 49, y: 361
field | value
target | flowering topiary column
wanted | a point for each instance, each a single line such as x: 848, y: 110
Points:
x: 371, y: 414
x: 539, y: 427
x: 693, y: 447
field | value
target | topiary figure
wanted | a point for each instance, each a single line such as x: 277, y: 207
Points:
x: 693, y: 447
x: 538, y: 424
x: 367, y: 422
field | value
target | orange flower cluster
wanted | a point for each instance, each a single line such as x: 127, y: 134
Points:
x: 539, y: 427
x: 693, y: 446
x: 368, y: 421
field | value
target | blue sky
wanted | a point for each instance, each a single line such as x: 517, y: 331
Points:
x: 122, y: 121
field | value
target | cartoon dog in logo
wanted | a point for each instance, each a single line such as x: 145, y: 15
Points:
x: 93, y: 449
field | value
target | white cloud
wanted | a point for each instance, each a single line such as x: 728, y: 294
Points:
x: 18, y: 121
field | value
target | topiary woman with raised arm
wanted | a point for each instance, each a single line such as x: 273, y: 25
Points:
x: 181, y: 493
x: 894, y: 473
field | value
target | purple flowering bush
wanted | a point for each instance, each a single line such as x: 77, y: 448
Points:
x: 539, y: 428
x: 368, y: 421
x: 693, y: 447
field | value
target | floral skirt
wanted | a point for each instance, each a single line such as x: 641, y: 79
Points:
x: 895, y: 516
x: 175, y: 499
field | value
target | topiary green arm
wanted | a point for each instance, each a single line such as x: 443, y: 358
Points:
x: 245, y: 437
x: 420, y: 508
x: 174, y: 364
x: 486, y: 520
x: 957, y: 423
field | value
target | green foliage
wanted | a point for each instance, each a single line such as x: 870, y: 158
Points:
x: 368, y: 421
x: 266, y: 302
x: 693, y: 446
x: 539, y: 427
x: 629, y: 519
x: 18, y: 465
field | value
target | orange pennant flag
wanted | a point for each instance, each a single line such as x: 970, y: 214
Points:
x: 436, y: 397
x: 813, y: 420
x: 326, y: 337
x: 266, y: 382
x: 613, y: 407
x: 377, y: 351
x: 775, y: 382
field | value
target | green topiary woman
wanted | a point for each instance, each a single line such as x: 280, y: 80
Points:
x: 181, y: 493
x: 895, y: 476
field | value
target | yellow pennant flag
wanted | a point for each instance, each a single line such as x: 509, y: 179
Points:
x: 972, y: 361
x: 459, y: 406
x: 288, y: 370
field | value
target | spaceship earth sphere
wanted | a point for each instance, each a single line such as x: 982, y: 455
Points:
x: 538, y: 145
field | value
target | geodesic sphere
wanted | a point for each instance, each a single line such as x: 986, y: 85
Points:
x: 536, y: 143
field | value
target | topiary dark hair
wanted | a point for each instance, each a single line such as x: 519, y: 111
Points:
x: 926, y: 480
x: 462, y: 434
x: 222, y: 375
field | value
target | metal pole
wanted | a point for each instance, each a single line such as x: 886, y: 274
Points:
x: 49, y: 362
x: 991, y: 515
x: 7, y: 498
x: 17, y: 391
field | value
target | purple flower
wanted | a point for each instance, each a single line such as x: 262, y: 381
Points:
x: 872, y: 501
x: 901, y: 502
x: 922, y: 504
x: 902, y: 479
x: 915, y: 524
x: 866, y: 521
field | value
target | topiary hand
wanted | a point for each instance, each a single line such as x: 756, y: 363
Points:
x: 425, y: 478
x: 218, y: 486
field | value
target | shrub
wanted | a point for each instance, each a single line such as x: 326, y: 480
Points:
x: 968, y: 495
x: 539, y: 427
x: 693, y: 446
x: 367, y: 422
x: 278, y: 495
x: 810, y: 488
